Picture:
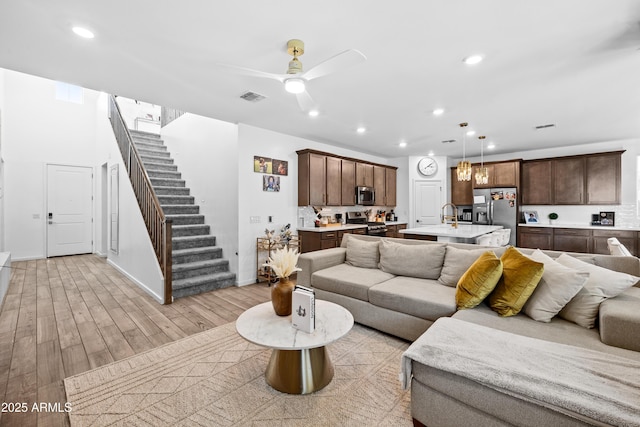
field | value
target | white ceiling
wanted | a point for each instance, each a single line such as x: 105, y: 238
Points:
x: 574, y: 63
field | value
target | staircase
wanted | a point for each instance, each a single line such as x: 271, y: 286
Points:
x: 198, y: 265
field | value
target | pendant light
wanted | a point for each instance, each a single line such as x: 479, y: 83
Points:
x: 464, y: 166
x: 482, y: 173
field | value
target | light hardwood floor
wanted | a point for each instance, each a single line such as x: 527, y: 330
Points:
x: 63, y: 316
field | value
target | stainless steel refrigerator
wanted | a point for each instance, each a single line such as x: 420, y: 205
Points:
x: 496, y: 206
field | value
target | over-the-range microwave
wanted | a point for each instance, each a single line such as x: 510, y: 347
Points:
x: 365, y: 196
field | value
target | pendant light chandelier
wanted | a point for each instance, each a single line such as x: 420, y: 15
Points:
x: 464, y: 166
x: 482, y: 173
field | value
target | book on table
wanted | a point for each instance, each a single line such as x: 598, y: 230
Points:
x: 303, y: 304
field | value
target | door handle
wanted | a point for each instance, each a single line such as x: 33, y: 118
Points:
x: 50, y: 217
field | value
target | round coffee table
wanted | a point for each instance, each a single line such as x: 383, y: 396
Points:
x: 299, y: 363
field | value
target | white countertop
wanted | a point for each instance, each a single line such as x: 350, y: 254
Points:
x: 463, y: 231
x: 260, y: 325
x: 583, y: 226
x: 346, y: 227
x: 333, y: 228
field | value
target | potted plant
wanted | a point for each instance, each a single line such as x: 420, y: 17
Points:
x: 552, y: 217
x: 283, y: 263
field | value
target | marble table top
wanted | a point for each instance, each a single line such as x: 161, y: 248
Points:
x: 260, y: 325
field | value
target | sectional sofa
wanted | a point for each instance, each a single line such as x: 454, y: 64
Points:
x: 407, y: 288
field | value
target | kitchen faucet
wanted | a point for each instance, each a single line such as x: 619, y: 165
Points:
x: 454, y: 217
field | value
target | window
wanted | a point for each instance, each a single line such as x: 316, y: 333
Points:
x: 69, y: 93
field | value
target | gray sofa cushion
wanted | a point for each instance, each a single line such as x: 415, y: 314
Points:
x: 558, y: 330
x: 363, y: 254
x: 422, y: 298
x: 619, y: 320
x: 349, y: 280
x: 423, y: 261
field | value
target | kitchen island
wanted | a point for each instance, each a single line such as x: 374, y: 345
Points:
x: 465, y: 233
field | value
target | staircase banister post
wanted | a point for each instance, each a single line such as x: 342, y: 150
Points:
x: 168, y: 260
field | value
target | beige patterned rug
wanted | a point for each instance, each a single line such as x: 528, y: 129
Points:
x: 216, y: 378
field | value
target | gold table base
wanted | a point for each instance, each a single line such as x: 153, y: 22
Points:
x: 299, y: 371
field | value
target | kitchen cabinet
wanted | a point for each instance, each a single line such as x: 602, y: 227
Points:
x: 501, y: 174
x: 334, y: 181
x: 318, y: 240
x: 364, y: 175
x: 379, y: 178
x: 572, y: 240
x: 591, y: 179
x: 326, y: 179
x: 461, y: 191
x: 536, y: 183
x: 390, y: 187
x: 348, y: 182
x: 312, y: 183
x: 535, y: 237
x: 568, y: 181
x: 628, y: 238
x: 603, y: 179
x: 392, y: 230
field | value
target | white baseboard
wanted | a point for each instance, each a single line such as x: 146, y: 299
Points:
x: 137, y: 282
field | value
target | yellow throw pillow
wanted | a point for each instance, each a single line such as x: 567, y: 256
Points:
x: 520, y: 276
x: 478, y: 281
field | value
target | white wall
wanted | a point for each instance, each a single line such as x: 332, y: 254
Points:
x: 413, y: 175
x: 37, y: 129
x: 206, y: 153
x: 283, y: 205
x: 136, y: 257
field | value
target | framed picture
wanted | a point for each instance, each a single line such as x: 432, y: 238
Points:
x: 270, y: 183
x: 531, y: 217
x: 280, y: 167
x: 262, y: 164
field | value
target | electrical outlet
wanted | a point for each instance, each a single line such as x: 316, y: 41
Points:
x: 254, y: 220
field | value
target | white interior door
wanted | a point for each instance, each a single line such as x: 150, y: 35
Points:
x: 69, y: 210
x: 427, y: 201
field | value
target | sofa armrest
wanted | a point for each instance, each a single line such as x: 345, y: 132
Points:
x: 310, y: 262
x: 620, y: 320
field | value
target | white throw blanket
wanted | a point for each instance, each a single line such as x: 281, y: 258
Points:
x: 585, y: 383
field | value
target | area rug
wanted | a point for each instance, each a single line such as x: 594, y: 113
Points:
x: 216, y: 378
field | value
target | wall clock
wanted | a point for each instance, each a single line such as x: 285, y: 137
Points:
x: 427, y: 166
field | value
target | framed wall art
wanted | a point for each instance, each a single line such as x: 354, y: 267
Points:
x: 262, y: 164
x: 270, y: 183
x: 280, y: 167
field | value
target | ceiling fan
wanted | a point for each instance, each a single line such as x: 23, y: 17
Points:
x: 295, y: 78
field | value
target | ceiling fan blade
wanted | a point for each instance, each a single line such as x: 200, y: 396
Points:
x: 305, y: 101
x: 342, y: 60
x: 250, y: 72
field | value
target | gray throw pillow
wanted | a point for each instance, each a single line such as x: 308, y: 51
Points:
x: 602, y: 284
x: 423, y: 261
x: 361, y: 253
x: 558, y: 285
x: 456, y: 263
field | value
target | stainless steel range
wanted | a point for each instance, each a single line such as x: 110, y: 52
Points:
x: 373, y: 228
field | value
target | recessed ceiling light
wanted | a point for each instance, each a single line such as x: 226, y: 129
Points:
x: 361, y: 129
x: 314, y: 113
x: 473, y: 59
x: 491, y: 146
x: 430, y: 153
x: 438, y: 111
x: 402, y: 144
x: 83, y: 32
x: 471, y: 133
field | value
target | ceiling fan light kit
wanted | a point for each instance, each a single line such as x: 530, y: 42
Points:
x: 294, y: 85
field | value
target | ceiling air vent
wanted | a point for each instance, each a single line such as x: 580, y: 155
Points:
x: 550, y: 125
x: 252, y: 96
x: 448, y: 141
